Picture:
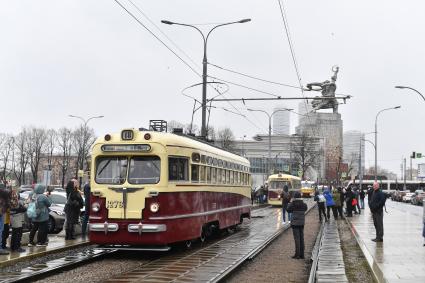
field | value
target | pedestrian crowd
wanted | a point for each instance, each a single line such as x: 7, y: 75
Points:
x: 14, y: 212
x: 335, y: 202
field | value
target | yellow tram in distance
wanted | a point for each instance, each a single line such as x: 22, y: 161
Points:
x: 151, y: 189
x: 276, y: 183
x: 307, y: 188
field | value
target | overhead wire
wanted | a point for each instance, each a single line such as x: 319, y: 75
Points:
x: 171, y: 50
x: 291, y: 47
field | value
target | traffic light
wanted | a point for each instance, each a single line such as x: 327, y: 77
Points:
x: 418, y: 155
x: 413, y: 155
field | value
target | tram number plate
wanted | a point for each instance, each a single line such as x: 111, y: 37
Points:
x: 114, y: 204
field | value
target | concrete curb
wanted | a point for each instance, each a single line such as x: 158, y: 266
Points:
x: 377, y: 273
x: 42, y: 253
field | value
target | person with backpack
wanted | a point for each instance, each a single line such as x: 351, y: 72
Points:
x: 376, y: 205
x: 17, y: 218
x: 321, y: 201
x: 286, y: 199
x: 4, y: 206
x: 38, y: 212
x: 330, y: 203
x: 72, y: 211
x: 298, y: 208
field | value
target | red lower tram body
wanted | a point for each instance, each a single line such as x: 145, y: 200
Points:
x: 182, y: 216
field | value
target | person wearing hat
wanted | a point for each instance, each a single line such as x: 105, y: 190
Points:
x: 376, y: 206
x: 298, y: 208
x: 4, y: 206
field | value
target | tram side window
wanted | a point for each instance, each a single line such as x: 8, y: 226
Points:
x: 231, y: 177
x: 219, y: 175
x: 223, y: 176
x: 208, y: 174
x: 213, y: 175
x: 202, y: 174
x: 178, y: 169
x: 195, y: 173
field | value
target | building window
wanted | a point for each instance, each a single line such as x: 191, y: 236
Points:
x: 178, y: 168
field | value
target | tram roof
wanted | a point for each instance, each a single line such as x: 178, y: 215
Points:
x: 169, y: 139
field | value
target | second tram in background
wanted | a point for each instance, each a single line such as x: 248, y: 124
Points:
x: 276, y: 184
x: 307, y: 188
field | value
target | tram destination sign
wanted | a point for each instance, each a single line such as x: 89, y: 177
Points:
x: 126, y: 147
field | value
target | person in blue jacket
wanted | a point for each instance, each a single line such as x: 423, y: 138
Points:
x: 40, y: 222
x: 330, y: 203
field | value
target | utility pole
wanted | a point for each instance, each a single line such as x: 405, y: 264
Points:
x: 404, y: 175
x: 360, y: 164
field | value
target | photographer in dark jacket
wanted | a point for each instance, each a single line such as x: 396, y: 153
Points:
x: 72, y: 212
x: 376, y: 207
x: 298, y: 208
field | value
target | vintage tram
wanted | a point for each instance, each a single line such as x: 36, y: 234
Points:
x: 151, y: 189
x: 276, y: 184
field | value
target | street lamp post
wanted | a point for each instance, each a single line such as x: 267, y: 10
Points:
x: 204, y: 65
x: 85, y: 122
x: 270, y: 129
x: 376, y: 138
x: 411, y: 88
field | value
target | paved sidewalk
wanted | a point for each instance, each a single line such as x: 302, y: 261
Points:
x: 401, y: 257
x: 56, y: 244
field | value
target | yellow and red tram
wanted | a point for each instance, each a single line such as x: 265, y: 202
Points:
x: 151, y: 189
x: 276, y: 183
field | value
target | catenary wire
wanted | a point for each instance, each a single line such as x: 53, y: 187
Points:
x: 172, y: 51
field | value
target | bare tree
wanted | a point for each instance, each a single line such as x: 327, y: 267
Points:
x: 226, y: 138
x: 20, y: 158
x: 6, y: 150
x: 171, y: 125
x: 35, y: 145
x: 64, y: 142
x: 304, y: 152
x: 50, y: 145
x: 82, y: 140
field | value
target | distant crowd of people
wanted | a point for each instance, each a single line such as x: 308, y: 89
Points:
x: 14, y: 211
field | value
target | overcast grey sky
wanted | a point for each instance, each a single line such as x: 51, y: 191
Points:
x: 88, y: 57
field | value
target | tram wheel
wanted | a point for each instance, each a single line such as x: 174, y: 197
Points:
x: 204, y: 233
x: 188, y: 244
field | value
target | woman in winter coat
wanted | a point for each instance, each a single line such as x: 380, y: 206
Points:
x: 349, y: 196
x: 72, y: 211
x: 41, y: 221
x: 330, y: 203
x: 17, y: 218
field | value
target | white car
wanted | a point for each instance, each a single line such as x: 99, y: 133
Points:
x: 408, y: 197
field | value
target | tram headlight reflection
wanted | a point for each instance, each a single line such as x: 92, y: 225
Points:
x: 154, y: 207
x: 95, y: 207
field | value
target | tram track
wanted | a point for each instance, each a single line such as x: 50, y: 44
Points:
x: 175, y: 266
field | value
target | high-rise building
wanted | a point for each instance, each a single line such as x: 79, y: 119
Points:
x: 281, y: 122
x: 304, y: 107
x: 354, y: 151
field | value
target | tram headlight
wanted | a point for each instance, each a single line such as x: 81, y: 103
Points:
x: 95, y: 207
x: 154, y: 207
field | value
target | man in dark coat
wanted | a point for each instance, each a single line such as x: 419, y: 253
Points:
x: 349, y: 196
x: 377, y: 208
x: 298, y: 208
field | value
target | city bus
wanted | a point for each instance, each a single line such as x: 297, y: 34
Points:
x: 276, y: 183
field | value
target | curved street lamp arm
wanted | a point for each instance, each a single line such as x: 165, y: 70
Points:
x: 187, y: 25
x: 390, y: 108
x: 411, y: 88
x: 370, y: 142
x: 259, y: 110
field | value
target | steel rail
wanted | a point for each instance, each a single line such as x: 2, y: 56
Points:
x: 315, y: 254
x: 255, y: 252
x: 54, y: 266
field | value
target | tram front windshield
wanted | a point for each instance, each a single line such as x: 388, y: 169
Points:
x: 113, y: 170
x: 278, y: 185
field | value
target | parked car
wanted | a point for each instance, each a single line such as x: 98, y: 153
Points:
x: 398, y: 195
x: 417, y: 198
x: 408, y: 197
